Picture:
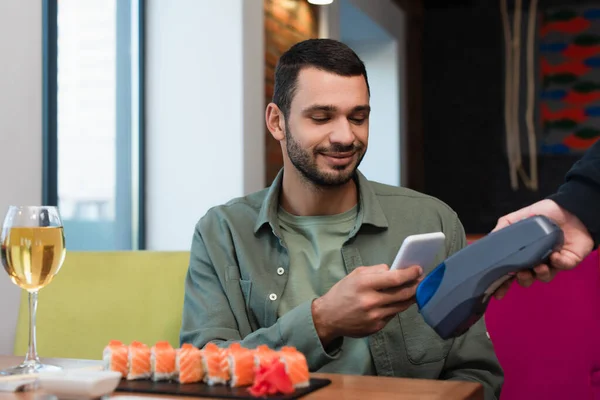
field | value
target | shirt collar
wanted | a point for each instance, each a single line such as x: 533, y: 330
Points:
x: 370, y: 210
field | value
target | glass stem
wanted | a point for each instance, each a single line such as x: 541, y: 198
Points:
x: 32, y: 356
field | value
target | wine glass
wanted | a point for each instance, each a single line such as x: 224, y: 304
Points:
x: 32, y: 252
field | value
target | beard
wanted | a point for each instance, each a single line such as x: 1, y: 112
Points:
x: 306, y: 162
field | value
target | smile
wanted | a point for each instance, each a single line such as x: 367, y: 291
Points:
x: 338, y: 158
x: 339, y: 155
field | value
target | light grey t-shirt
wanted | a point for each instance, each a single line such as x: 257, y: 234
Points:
x: 314, y: 244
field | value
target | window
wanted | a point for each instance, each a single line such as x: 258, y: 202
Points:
x: 93, y: 117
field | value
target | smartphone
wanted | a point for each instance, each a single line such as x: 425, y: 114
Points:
x: 419, y: 250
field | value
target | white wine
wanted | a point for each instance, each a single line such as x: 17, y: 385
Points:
x: 32, y: 256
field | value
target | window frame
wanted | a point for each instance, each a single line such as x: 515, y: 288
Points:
x: 136, y: 172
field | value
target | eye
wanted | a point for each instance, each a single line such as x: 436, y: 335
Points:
x: 320, y: 118
x: 358, y: 120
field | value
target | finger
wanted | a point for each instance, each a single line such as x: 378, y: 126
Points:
x: 390, y: 310
x: 372, y: 269
x: 503, y: 289
x: 381, y: 318
x: 390, y: 317
x: 525, y: 278
x: 397, y: 288
x: 542, y: 273
x: 397, y: 294
x: 564, y: 260
x: 513, y: 217
x: 509, y: 219
x: 393, y: 278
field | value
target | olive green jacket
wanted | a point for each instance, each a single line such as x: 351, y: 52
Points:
x: 239, y: 268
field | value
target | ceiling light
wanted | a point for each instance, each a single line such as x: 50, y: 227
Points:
x: 320, y: 2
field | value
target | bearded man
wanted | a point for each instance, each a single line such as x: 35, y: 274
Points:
x: 305, y: 262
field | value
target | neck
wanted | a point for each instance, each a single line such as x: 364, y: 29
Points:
x: 303, y: 198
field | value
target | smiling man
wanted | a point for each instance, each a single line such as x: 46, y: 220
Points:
x: 305, y: 262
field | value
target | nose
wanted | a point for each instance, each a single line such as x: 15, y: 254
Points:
x: 342, y: 133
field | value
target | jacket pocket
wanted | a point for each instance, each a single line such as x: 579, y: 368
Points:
x: 422, y: 344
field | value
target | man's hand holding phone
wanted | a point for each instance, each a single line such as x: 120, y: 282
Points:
x: 364, y: 302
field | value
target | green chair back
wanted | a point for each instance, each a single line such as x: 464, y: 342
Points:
x: 99, y: 296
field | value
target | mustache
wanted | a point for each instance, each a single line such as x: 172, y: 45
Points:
x: 339, y: 148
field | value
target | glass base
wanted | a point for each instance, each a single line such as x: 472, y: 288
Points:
x: 30, y: 367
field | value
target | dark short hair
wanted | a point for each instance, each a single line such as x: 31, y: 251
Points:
x: 324, y: 54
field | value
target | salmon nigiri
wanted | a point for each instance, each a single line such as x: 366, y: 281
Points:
x: 139, y: 361
x: 115, y: 357
x: 188, y: 362
x: 163, y: 361
x: 240, y: 361
x: 295, y: 366
x: 216, y: 364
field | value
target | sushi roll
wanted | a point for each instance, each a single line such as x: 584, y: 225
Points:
x: 162, y: 361
x: 188, y: 363
x: 139, y: 361
x: 296, y: 366
x: 216, y: 364
x: 241, y: 365
x: 115, y: 357
x: 264, y: 356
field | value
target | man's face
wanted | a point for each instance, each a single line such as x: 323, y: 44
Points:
x: 327, y: 130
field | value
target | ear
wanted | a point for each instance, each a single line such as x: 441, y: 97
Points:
x: 275, y: 121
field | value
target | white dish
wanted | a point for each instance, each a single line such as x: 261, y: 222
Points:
x: 79, y: 384
x: 18, y: 383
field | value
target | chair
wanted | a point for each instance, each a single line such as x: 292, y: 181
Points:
x: 99, y: 296
x: 547, y: 336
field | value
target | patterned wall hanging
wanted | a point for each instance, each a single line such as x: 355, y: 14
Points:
x: 569, y: 47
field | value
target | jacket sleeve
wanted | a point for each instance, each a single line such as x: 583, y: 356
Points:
x: 580, y: 194
x: 210, y: 315
x: 472, y: 356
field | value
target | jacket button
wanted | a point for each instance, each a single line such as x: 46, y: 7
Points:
x: 280, y: 271
x: 273, y: 297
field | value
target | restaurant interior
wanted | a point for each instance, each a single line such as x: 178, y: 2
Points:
x: 130, y: 119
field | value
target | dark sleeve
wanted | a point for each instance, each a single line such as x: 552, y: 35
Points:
x: 580, y: 194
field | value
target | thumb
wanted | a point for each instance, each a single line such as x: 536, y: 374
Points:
x: 502, y: 223
x: 513, y: 217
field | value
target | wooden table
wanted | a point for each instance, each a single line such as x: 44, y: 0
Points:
x: 342, y: 387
